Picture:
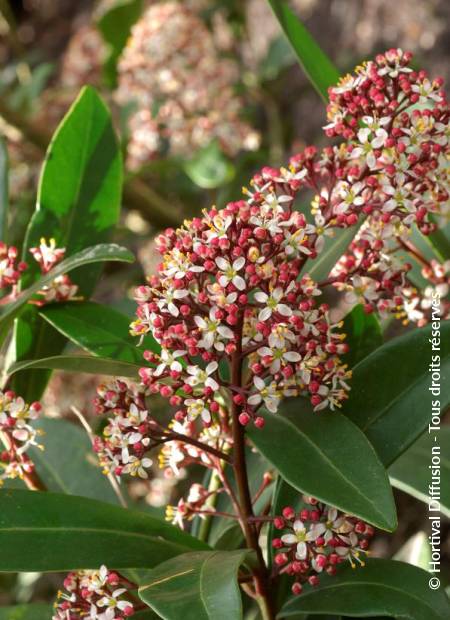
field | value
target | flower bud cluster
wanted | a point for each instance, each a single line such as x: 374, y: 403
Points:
x: 126, y: 437
x: 94, y: 595
x: 10, y: 269
x: 47, y: 255
x: 317, y: 538
x: 17, y: 434
x: 183, y: 89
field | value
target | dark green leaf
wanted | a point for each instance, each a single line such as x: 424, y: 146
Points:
x: 34, y: 611
x: 390, y: 398
x: 334, y: 248
x: 115, y: 26
x: 209, y: 168
x: 440, y: 242
x: 328, y: 457
x: 411, y: 473
x: 4, y: 192
x: 54, y: 532
x: 196, y: 586
x: 80, y: 363
x: 68, y: 464
x: 363, y: 335
x: 316, y: 64
x: 381, y: 588
x: 78, y: 204
x: 96, y: 254
x: 99, y: 329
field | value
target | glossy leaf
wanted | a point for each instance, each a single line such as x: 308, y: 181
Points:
x: 333, y: 249
x: 98, y: 329
x: 33, y: 611
x: 390, y: 400
x: 115, y: 26
x: 381, y: 588
x: 196, y: 586
x: 80, y: 363
x: 328, y: 457
x: 54, y: 532
x: 363, y: 335
x: 411, y: 473
x: 4, y: 191
x: 316, y: 64
x: 415, y: 551
x: 68, y: 464
x: 78, y: 204
x: 96, y: 254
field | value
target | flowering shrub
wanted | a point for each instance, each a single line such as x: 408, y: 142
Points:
x: 254, y: 372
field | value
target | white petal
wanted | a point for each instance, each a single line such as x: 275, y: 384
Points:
x: 222, y: 263
x: 239, y: 263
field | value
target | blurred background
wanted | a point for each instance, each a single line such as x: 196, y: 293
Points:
x: 203, y: 93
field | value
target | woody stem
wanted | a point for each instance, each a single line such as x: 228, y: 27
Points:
x: 260, y: 573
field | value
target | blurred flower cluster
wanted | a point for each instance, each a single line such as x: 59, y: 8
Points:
x: 182, y: 88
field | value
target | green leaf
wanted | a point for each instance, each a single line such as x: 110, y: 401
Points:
x: 80, y: 363
x: 96, y: 254
x: 209, y: 168
x: 328, y: 457
x: 78, y: 204
x: 411, y: 473
x: 415, y: 551
x: 53, y: 532
x: 68, y: 464
x: 390, y: 398
x: 319, y: 69
x: 34, y: 611
x: 440, y: 242
x: 4, y: 192
x: 115, y: 26
x: 98, y: 329
x: 381, y: 588
x: 196, y: 586
x: 334, y: 248
x: 363, y: 335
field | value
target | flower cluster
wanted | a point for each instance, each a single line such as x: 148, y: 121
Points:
x: 83, y: 58
x: 47, y: 255
x: 10, y: 269
x: 94, y: 595
x: 231, y: 292
x: 396, y: 124
x: 183, y: 90
x: 315, y: 539
x: 126, y: 436
x: 17, y: 434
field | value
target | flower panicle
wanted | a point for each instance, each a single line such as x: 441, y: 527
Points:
x: 94, y: 594
x: 18, y: 435
x: 316, y: 539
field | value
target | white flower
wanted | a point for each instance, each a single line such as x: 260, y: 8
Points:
x: 179, y: 265
x: 273, y: 304
x: 279, y: 356
x: 427, y: 90
x: 219, y: 226
x: 168, y: 297
x: 196, y: 408
x: 369, y: 141
x: 212, y: 331
x: 300, y: 537
x: 230, y: 272
x: 401, y: 197
x: 364, y: 289
x: 269, y: 394
x: 327, y: 530
x: 169, y: 359
x: 137, y: 467
x: 350, y: 196
x: 202, y: 377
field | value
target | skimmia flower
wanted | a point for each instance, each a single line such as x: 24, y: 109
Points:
x: 317, y: 538
x: 184, y: 100
x: 18, y: 434
x: 94, y: 595
x: 47, y: 255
